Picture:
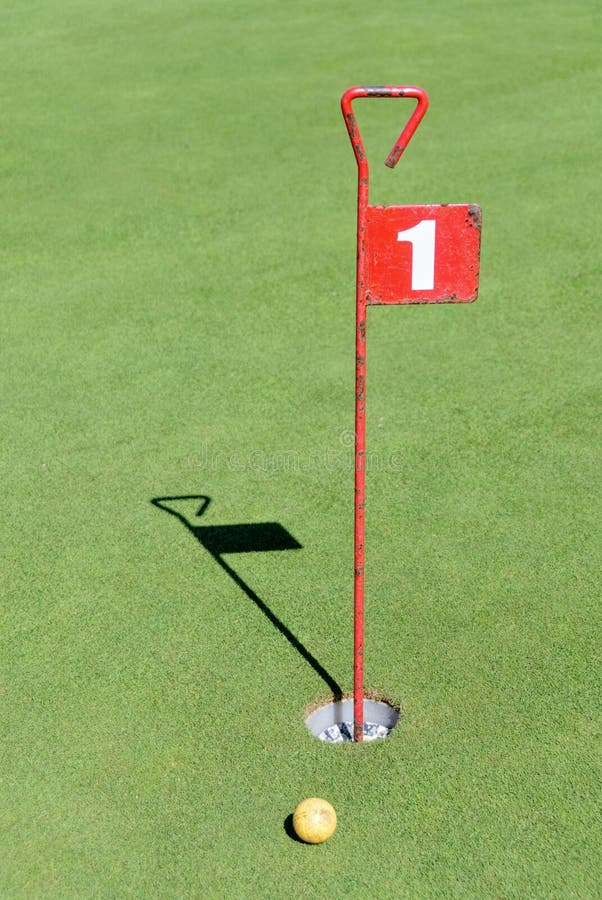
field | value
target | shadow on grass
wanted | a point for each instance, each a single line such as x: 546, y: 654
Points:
x: 290, y: 831
x: 254, y: 537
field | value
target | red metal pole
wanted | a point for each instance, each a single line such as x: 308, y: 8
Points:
x: 360, y: 360
x: 360, y: 470
x: 360, y: 414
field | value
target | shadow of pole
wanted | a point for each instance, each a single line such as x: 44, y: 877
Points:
x: 247, y: 538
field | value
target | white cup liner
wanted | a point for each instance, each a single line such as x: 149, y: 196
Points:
x: 333, y: 722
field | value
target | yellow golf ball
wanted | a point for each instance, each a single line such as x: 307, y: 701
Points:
x: 314, y: 820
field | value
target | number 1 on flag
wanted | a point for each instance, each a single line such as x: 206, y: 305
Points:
x: 422, y: 239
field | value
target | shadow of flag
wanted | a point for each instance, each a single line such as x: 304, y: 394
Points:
x: 256, y: 537
x: 252, y: 537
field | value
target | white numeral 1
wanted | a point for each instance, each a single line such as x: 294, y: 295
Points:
x: 422, y: 239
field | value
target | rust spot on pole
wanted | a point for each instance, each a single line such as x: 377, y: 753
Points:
x: 351, y: 124
x: 354, y: 134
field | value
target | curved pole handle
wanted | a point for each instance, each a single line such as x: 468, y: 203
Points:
x: 404, y: 138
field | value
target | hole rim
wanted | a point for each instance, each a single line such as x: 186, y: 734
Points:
x: 383, y: 710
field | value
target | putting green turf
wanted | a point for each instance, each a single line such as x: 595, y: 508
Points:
x: 177, y: 283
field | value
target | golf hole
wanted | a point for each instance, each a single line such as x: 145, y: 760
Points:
x: 333, y: 722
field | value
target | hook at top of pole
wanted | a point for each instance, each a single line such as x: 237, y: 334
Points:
x: 404, y: 138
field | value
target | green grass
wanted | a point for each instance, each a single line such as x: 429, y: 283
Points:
x: 177, y: 285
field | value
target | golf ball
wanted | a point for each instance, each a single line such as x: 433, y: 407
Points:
x: 314, y: 820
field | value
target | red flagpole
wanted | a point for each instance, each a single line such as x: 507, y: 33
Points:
x: 360, y: 362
